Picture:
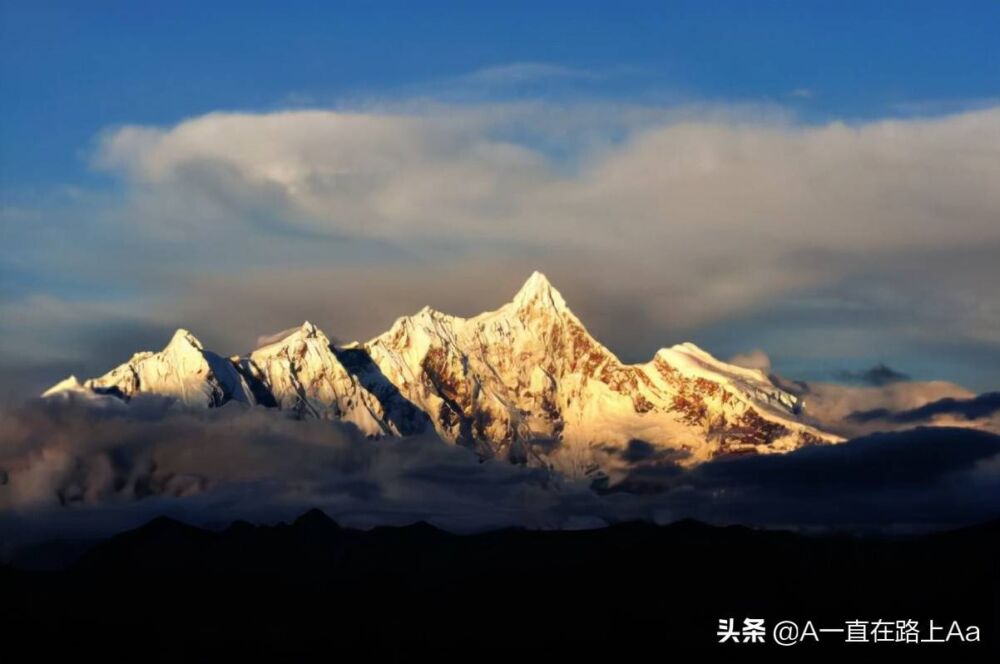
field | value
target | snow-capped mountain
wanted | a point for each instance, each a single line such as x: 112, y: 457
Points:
x: 184, y: 371
x: 525, y: 382
x: 303, y: 373
x: 528, y: 381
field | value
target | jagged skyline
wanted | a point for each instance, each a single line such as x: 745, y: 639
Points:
x: 525, y: 382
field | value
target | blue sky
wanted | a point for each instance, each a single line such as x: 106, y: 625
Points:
x: 70, y: 69
x: 107, y: 227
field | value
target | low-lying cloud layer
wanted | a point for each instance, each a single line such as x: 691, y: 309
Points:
x: 895, y: 480
x: 881, y: 399
x: 69, y: 471
x: 66, y: 465
x: 982, y: 408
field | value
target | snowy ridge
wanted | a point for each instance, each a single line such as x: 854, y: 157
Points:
x: 302, y: 373
x: 525, y: 382
x: 183, y: 371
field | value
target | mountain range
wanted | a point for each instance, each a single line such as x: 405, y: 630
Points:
x: 526, y: 382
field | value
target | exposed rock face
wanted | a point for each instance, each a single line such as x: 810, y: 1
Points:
x: 530, y: 371
x: 525, y: 382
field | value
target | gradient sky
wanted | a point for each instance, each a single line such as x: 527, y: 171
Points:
x: 814, y: 179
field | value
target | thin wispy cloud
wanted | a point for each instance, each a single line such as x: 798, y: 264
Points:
x: 937, y: 107
x: 524, y: 72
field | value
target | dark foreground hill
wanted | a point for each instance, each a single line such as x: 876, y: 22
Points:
x: 312, y: 590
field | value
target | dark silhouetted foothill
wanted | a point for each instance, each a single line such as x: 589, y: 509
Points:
x: 313, y: 589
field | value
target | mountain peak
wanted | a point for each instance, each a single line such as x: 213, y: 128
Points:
x: 538, y: 291
x: 183, y: 340
x: 306, y: 331
x: 294, y: 336
x: 537, y: 282
x: 309, y: 330
x: 68, y: 385
x: 428, y: 310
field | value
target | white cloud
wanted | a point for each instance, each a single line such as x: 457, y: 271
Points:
x: 831, y: 404
x: 755, y: 359
x: 779, y: 186
x: 654, y: 221
x: 365, y: 174
x: 719, y: 214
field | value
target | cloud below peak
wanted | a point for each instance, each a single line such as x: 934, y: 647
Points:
x: 68, y: 471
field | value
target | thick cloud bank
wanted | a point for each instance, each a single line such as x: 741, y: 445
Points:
x: 474, y: 172
x: 981, y: 412
x: 815, y: 241
x: 929, y: 477
x: 71, y: 471
x: 750, y: 209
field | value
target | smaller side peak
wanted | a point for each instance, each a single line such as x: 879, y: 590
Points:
x: 275, y: 342
x: 425, y: 314
x: 683, y: 352
x: 428, y: 310
x: 316, y: 519
x: 692, y: 352
x: 70, y: 384
x: 183, y: 339
x: 310, y: 330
